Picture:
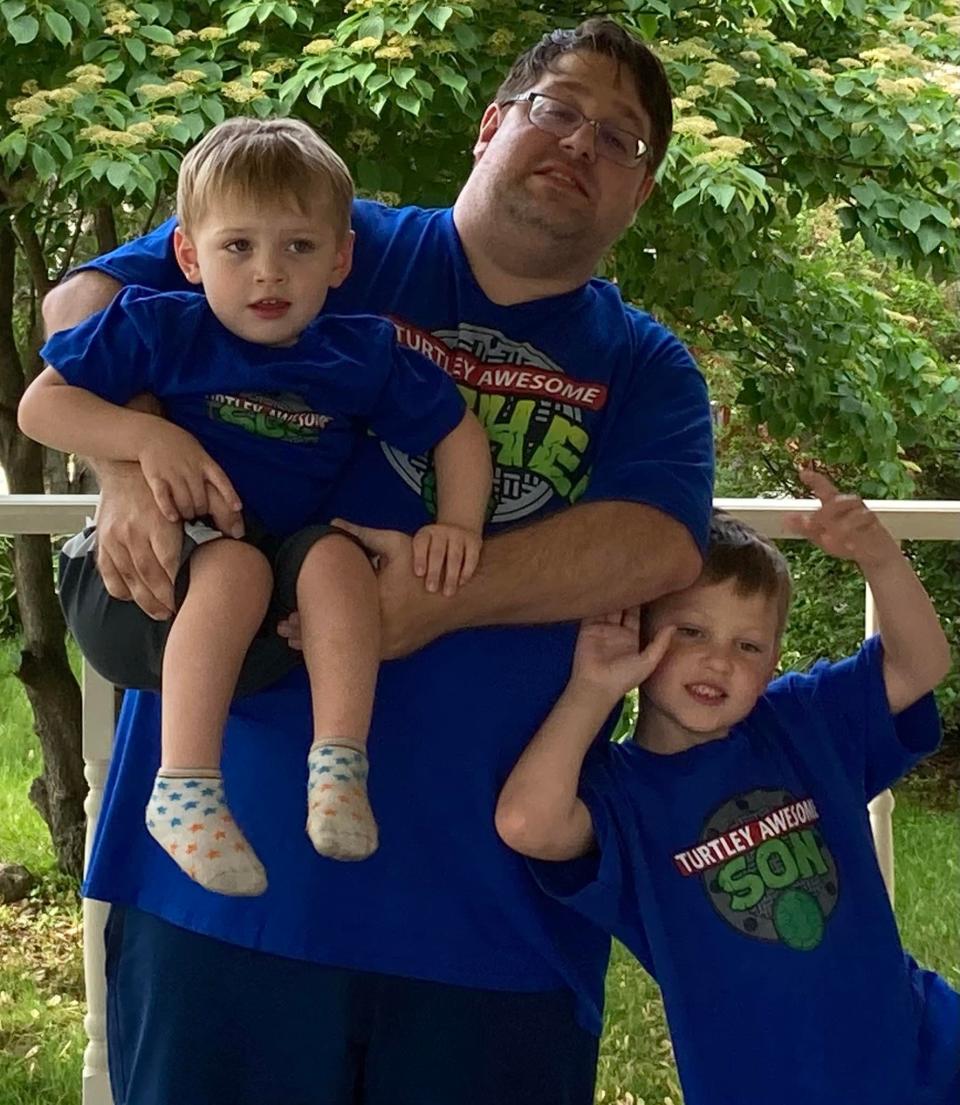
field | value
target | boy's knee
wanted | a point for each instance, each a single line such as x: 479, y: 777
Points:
x: 335, y: 552
x: 235, y: 564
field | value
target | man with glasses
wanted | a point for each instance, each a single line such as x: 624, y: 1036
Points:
x: 433, y: 973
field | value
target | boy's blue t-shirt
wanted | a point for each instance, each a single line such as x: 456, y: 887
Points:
x: 742, y: 875
x: 281, y: 422
x: 584, y: 399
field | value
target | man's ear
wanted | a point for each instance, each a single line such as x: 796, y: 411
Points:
x: 343, y: 260
x: 186, y: 254
x: 489, y: 125
x: 644, y: 191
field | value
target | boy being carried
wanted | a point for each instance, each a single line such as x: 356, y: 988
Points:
x: 264, y: 405
x: 728, y: 845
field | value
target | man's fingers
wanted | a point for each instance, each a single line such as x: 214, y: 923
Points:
x: 383, y: 542
x: 112, y: 578
x: 289, y: 628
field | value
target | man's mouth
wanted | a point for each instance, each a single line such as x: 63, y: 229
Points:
x: 270, y: 308
x: 706, y: 693
x: 565, y: 178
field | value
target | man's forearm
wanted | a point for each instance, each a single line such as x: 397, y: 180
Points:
x: 587, y: 560
x: 76, y: 298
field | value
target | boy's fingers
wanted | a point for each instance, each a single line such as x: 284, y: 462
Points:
x: 421, y: 544
x: 471, y: 558
x: 164, y: 500
x: 631, y: 618
x: 453, y: 568
x: 216, y: 476
x: 435, y: 561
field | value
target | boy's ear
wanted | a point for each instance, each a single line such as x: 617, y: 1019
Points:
x: 343, y: 260
x: 186, y: 254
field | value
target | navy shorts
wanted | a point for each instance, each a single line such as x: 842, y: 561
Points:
x: 195, y: 1021
x: 125, y: 645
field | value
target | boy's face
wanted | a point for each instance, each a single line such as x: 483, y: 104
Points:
x: 723, y: 654
x: 266, y: 267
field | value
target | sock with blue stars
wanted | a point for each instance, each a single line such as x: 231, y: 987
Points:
x: 340, y: 823
x: 189, y: 819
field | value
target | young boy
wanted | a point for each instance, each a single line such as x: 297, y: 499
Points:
x: 264, y: 404
x: 728, y: 845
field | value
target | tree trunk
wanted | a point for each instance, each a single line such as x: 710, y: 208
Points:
x: 106, y: 228
x: 44, y: 669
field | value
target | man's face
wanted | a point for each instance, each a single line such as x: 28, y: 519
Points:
x: 266, y: 268
x: 559, y: 187
x: 722, y: 655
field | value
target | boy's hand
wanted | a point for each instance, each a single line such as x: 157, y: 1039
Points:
x: 445, y: 556
x: 843, y: 526
x: 609, y: 657
x: 181, y: 474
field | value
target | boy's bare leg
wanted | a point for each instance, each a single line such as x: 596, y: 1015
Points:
x: 340, y: 622
x: 230, y: 586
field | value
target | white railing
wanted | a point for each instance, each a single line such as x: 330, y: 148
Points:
x: 59, y: 514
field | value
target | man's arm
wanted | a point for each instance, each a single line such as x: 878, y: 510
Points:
x: 138, y: 550
x: 578, y: 563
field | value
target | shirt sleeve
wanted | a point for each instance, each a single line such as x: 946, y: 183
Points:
x: 657, y: 445
x: 148, y: 261
x: 109, y: 353
x: 849, y: 697
x: 418, y: 404
x: 604, y: 885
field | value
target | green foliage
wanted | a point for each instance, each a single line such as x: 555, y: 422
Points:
x: 9, y: 612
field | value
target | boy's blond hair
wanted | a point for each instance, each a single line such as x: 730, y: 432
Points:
x: 264, y: 159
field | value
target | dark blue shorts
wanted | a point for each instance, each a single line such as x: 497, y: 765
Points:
x: 195, y: 1021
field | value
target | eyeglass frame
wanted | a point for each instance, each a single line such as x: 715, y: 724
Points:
x: 531, y: 97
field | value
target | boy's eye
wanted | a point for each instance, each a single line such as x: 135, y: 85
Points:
x: 302, y: 245
x: 749, y: 646
x: 238, y: 245
x: 688, y: 631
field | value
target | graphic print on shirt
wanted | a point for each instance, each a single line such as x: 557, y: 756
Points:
x: 765, y: 867
x: 532, y: 411
x: 283, y: 417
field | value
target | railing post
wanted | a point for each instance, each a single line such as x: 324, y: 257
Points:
x: 881, y: 808
x: 98, y: 725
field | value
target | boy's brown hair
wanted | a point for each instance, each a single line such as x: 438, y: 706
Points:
x: 736, y: 551
x: 602, y: 36
x: 264, y: 159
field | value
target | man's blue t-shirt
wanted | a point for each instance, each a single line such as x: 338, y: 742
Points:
x: 742, y: 875
x: 584, y: 399
x: 281, y: 422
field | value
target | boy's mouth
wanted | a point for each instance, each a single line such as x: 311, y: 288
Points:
x: 270, y: 308
x: 706, y: 693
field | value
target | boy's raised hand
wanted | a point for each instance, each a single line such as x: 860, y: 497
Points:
x: 445, y: 556
x: 180, y: 473
x: 609, y: 657
x: 844, y: 526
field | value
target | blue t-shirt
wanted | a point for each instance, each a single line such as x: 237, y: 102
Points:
x: 584, y: 399
x: 281, y: 422
x: 742, y: 875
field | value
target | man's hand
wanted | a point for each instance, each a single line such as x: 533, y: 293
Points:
x: 181, y: 474
x: 609, y: 659
x: 138, y: 550
x: 843, y: 526
x: 445, y: 556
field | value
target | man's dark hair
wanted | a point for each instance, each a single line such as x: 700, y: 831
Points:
x: 736, y: 551
x: 602, y: 36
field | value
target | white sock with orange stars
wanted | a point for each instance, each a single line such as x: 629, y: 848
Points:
x: 189, y: 819
x: 340, y: 823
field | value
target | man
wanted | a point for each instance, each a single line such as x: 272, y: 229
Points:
x: 433, y: 973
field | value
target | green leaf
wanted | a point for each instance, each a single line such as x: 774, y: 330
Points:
x: 403, y: 75
x: 316, y: 93
x: 375, y: 83
x: 423, y: 87
x: 136, y: 49
x: 372, y: 27
x: 331, y: 80
x: 240, y: 18
x: 59, y: 27
x: 913, y: 215
x: 12, y: 8
x: 724, y: 194
x: 929, y: 237
x: 685, y: 197
x: 409, y: 101
x: 265, y: 10
x: 213, y: 109
x: 62, y: 145
x: 438, y: 16
x: 156, y: 34
x: 794, y: 204
x: 287, y: 14
x: 23, y: 29
x: 362, y: 71
x: 450, y: 78
x: 150, y: 12
x: 119, y: 173
x: 43, y: 162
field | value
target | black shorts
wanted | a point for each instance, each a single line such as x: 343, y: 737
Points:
x: 125, y: 645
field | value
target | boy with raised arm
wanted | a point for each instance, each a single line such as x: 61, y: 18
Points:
x: 728, y: 844
x: 264, y: 404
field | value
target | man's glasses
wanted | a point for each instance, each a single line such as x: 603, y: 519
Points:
x: 558, y: 118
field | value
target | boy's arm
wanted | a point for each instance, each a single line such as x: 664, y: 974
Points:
x: 446, y: 553
x: 539, y: 813
x: 916, y: 655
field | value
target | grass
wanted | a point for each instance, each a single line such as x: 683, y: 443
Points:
x: 41, y: 967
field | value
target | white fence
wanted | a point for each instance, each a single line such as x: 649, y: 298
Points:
x: 59, y: 514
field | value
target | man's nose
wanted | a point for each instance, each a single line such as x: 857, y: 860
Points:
x: 583, y: 141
